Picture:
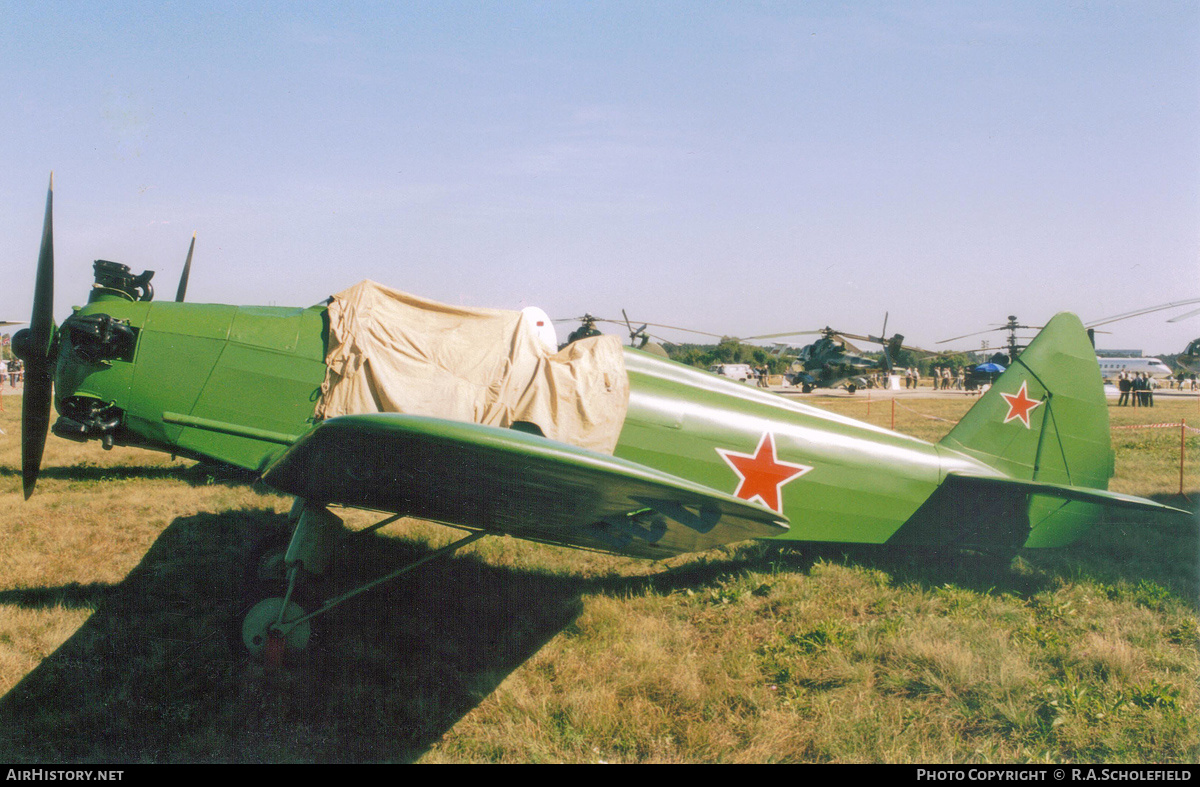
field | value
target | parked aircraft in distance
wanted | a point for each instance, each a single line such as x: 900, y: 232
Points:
x: 1111, y: 368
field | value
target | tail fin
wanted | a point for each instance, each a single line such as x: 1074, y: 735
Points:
x: 1042, y: 428
x: 892, y: 349
x: 1046, y: 418
x: 1045, y: 421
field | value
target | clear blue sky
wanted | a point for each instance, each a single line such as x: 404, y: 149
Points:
x: 737, y: 167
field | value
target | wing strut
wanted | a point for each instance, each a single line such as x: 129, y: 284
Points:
x: 342, y: 599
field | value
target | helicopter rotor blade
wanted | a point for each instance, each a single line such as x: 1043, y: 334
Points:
x: 626, y: 323
x: 1192, y: 313
x: 685, y: 330
x: 968, y: 335
x: 1147, y: 310
x: 858, y: 337
x: 634, y: 335
x: 849, y: 345
x: 781, y: 335
x: 187, y: 272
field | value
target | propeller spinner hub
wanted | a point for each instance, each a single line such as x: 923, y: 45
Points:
x: 22, y: 344
x: 25, y: 347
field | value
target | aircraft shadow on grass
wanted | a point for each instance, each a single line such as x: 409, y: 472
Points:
x: 155, y: 673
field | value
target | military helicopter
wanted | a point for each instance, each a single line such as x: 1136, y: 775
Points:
x: 833, y: 360
x: 829, y: 362
x: 638, y: 337
x: 587, y: 328
x: 349, y: 403
x: 1014, y: 345
x: 1189, y: 359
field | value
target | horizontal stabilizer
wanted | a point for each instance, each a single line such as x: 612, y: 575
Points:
x: 970, y: 510
x: 1043, y: 427
x: 1081, y: 494
x: 513, y: 482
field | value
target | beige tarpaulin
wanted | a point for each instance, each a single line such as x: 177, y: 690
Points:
x: 394, y: 352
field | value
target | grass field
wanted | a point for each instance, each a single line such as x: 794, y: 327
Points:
x: 123, y: 575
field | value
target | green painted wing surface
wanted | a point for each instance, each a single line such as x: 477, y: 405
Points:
x: 509, y: 481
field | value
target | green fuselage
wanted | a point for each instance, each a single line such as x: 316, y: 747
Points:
x: 233, y: 384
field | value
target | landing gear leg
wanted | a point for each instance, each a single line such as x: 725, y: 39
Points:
x: 277, y: 625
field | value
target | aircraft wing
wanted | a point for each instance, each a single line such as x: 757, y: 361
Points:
x: 484, y: 477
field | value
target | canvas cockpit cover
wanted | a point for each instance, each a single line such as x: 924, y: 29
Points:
x: 393, y: 352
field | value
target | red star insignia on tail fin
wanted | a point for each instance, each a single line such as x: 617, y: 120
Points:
x: 761, y: 474
x: 1020, y: 405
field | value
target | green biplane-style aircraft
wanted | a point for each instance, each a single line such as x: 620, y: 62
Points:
x: 694, y: 461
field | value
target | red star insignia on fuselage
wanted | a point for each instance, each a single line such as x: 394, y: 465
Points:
x: 1020, y: 405
x: 761, y: 474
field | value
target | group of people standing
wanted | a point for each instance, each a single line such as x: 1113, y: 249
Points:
x: 14, y: 370
x: 1136, y: 389
x: 945, y: 378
